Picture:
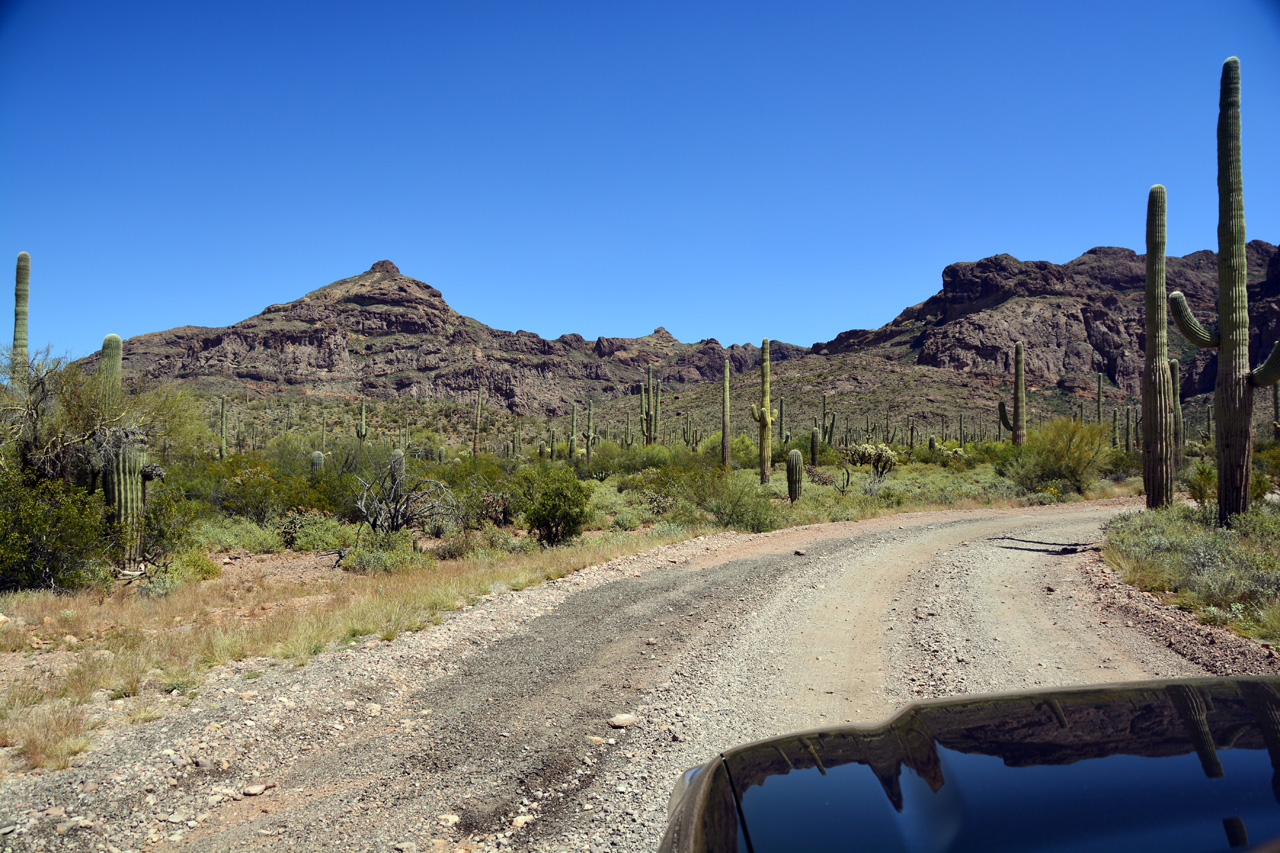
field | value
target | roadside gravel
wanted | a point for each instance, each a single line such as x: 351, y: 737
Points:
x: 490, y: 731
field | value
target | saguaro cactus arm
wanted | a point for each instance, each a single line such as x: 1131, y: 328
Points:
x: 1004, y: 417
x: 1268, y: 373
x: 1188, y: 324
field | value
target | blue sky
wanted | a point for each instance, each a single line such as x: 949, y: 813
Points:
x: 728, y: 170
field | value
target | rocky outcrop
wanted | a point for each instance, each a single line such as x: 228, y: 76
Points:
x: 1077, y: 319
x: 383, y: 334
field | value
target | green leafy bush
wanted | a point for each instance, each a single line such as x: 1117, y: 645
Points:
x: 739, y: 504
x: 555, y: 503
x: 387, y: 552
x: 1063, y: 455
x: 306, y: 529
x: 237, y: 534
x: 51, y: 535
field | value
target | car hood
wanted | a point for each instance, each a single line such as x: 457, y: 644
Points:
x: 1189, y: 765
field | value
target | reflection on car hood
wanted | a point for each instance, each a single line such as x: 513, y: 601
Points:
x: 1170, y: 766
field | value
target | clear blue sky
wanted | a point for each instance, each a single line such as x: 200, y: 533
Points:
x: 732, y: 170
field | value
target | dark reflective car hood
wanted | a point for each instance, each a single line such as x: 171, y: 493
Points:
x: 1189, y: 765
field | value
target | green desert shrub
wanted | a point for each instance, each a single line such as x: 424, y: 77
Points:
x: 555, y: 503
x: 1180, y: 549
x: 51, y: 534
x: 1063, y: 455
x: 221, y: 533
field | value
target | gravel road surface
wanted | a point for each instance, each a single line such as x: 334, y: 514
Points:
x: 491, y: 730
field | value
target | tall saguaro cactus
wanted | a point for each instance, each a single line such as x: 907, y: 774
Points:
x: 1158, y: 443
x: 724, y: 421
x: 18, y: 357
x: 1018, y: 426
x: 122, y: 485
x: 222, y: 428
x: 1233, y: 396
x: 764, y: 416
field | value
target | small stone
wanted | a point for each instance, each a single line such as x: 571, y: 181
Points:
x: 65, y: 827
x: 71, y: 640
x: 449, y: 819
x: 176, y: 818
x: 596, y: 740
x: 407, y: 847
x: 350, y: 705
x: 55, y: 811
x: 522, y: 820
x: 373, y: 709
x: 800, y: 552
x: 621, y: 721
x: 253, y: 790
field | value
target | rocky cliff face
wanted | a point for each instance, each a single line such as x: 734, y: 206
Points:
x: 382, y: 334
x: 1077, y: 319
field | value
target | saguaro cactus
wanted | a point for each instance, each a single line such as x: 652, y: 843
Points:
x: 362, y: 431
x: 475, y: 436
x: 1018, y: 426
x: 724, y: 421
x: 1098, y: 416
x: 590, y: 435
x: 122, y: 485
x: 1158, y: 445
x: 1233, y: 396
x: 813, y: 447
x: 764, y: 416
x: 317, y: 462
x: 795, y: 474
x: 573, y: 434
x: 222, y: 427
x: 18, y: 359
x: 110, y: 364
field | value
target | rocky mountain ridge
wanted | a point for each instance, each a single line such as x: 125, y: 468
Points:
x: 382, y: 334
x: 1076, y: 319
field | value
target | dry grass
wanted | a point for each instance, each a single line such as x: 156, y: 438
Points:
x: 129, y: 644
x: 47, y: 735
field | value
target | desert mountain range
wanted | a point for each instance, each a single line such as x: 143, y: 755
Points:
x: 382, y: 334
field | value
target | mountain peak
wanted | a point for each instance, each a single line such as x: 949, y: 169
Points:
x: 385, y: 266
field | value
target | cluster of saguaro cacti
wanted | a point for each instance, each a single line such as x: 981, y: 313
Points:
x: 724, y: 421
x: 1158, y: 446
x: 764, y: 416
x: 18, y: 357
x: 1233, y: 396
x: 795, y: 474
x: 1018, y: 426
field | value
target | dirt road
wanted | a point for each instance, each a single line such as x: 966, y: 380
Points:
x: 491, y: 730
